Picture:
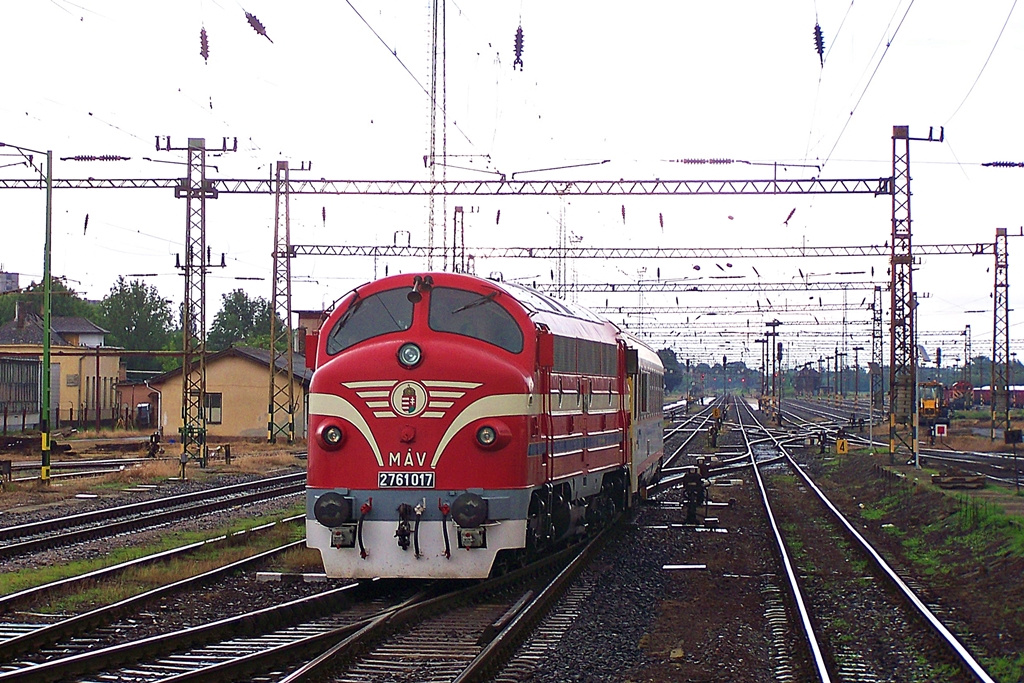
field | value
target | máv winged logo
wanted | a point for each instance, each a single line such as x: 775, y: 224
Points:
x: 409, y: 398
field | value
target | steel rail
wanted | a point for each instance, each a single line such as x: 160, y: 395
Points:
x: 35, y: 640
x: 269, y: 618
x: 794, y: 586
x: 14, y: 600
x: 52, y: 524
x: 144, y: 521
x: 527, y: 614
x: 423, y: 610
x: 958, y: 649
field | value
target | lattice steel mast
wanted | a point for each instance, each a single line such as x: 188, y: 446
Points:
x: 196, y: 189
x: 1000, y: 338
x: 281, y: 404
x: 877, y: 352
x: 193, y: 309
x: 903, y: 342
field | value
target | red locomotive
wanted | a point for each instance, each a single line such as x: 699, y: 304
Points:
x: 459, y: 426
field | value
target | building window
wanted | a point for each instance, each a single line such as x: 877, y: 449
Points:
x: 213, y: 409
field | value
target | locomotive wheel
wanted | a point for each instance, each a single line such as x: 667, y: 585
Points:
x: 560, y: 515
x: 538, y: 528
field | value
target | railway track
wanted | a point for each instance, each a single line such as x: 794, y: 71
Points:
x: 459, y: 637
x: 411, y: 626
x: 11, y: 630
x: 31, y: 537
x: 844, y: 612
x: 214, y: 649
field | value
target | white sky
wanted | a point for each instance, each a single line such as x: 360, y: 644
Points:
x: 637, y: 83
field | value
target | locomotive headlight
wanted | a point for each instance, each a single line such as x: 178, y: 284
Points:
x: 331, y: 436
x: 492, y: 434
x: 332, y: 509
x: 410, y: 355
x: 486, y: 436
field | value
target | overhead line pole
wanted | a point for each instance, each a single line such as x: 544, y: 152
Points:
x: 196, y: 189
x: 1000, y: 338
x: 903, y: 347
x: 281, y: 404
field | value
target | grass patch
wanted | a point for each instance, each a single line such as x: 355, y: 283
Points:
x: 988, y: 524
x: 141, y: 579
x: 1007, y: 669
x: 300, y: 560
x: 925, y: 556
x: 842, y: 630
x: 882, y: 508
x: 12, y: 582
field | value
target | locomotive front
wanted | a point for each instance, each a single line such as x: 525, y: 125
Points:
x: 420, y: 417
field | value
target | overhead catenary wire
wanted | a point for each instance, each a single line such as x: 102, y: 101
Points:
x: 881, y: 59
x: 394, y: 53
x: 987, y: 59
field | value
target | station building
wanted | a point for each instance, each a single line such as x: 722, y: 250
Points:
x: 237, y: 394
x: 83, y: 372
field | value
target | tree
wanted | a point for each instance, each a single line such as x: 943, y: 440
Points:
x: 138, y: 319
x: 240, y: 319
x: 673, y: 376
x: 64, y: 301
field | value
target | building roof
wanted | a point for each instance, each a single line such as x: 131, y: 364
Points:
x: 73, y: 325
x: 261, y: 356
x: 29, y: 331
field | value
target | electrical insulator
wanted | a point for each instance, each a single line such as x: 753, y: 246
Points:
x: 518, y: 45
x: 1004, y: 164
x: 819, y: 44
x: 204, y: 45
x: 257, y: 25
x: 95, y: 157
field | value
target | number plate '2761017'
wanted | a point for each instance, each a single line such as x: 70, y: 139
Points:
x: 405, y: 480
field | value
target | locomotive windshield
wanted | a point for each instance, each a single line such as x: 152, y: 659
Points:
x: 377, y: 314
x: 930, y: 392
x: 474, y: 315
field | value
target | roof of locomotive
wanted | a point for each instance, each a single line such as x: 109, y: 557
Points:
x: 561, y: 317
x: 645, y: 352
